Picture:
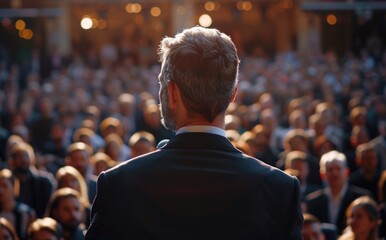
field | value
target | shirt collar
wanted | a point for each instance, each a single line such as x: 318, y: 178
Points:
x: 341, y: 193
x: 202, y: 129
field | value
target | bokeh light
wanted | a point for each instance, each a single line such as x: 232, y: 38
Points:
x: 331, y: 19
x: 133, y: 8
x: 205, y: 20
x: 20, y: 24
x: 86, y: 22
x: 210, y: 6
x: 155, y: 11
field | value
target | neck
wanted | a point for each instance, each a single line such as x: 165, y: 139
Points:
x: 192, y: 121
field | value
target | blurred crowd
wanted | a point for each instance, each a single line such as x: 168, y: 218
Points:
x: 64, y: 119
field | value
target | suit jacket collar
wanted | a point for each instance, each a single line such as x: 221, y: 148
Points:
x: 200, y: 141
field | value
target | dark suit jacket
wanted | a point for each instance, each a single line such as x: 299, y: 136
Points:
x: 198, y: 186
x: 317, y: 205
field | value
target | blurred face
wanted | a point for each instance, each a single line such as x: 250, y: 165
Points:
x: 6, y: 190
x: 5, y: 234
x: 369, y: 161
x: 141, y: 148
x: 44, y: 235
x: 335, y: 174
x: 79, y: 160
x: 22, y: 162
x: 360, y: 221
x: 70, y: 182
x: 69, y: 213
x: 312, y: 232
x: 302, y: 167
x: 298, y: 144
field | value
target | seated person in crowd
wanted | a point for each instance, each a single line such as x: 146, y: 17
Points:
x: 330, y: 203
x: 35, y: 187
x: 67, y: 208
x: 78, y: 156
x: 141, y: 142
x: 362, y: 220
x: 19, y: 214
x: 367, y: 176
x: 45, y: 229
x: 100, y: 162
x: 298, y: 160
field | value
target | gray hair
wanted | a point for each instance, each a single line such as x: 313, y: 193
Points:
x: 204, y: 64
x: 332, y: 156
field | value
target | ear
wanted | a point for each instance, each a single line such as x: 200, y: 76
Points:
x: 174, y: 94
x: 234, y: 94
x: 347, y: 172
x: 323, y: 176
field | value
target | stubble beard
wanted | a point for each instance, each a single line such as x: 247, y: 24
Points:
x: 167, y: 114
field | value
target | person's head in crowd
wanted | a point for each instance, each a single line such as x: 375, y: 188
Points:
x: 151, y: 115
x: 312, y: 228
x: 327, y: 111
x: 11, y: 141
x: 141, y: 142
x: 366, y: 158
x: 363, y: 219
x: 22, y: 157
x: 70, y: 177
x: 88, y: 123
x: 297, y: 160
x: 359, y: 135
x: 100, y: 162
x: 188, y: 76
x: 67, y: 208
x: 323, y: 144
x: 266, y: 101
x: 354, y: 102
x: 233, y: 122
x: 84, y: 135
x: 295, y: 104
x: 317, y: 124
x: 112, y: 147
x: 296, y: 140
x: 297, y: 119
x: 9, y: 186
x: 247, y: 142
x: 110, y: 125
x: 126, y: 103
x: 78, y: 156
x: 261, y: 138
x: 92, y: 113
x: 45, y: 106
x: 269, y: 120
x: 45, y: 229
x: 7, y: 230
x: 334, y: 170
x: 357, y: 116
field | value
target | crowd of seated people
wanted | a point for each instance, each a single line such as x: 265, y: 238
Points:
x: 321, y: 118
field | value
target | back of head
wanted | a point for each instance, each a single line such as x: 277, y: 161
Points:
x: 203, y: 63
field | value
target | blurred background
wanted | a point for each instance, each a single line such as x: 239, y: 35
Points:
x: 264, y: 27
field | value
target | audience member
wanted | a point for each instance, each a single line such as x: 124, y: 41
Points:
x: 367, y: 176
x: 101, y: 162
x: 67, y: 208
x: 362, y: 220
x: 329, y: 204
x: 45, y: 229
x: 78, y: 156
x: 35, y: 187
x: 19, y: 214
x: 141, y: 142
